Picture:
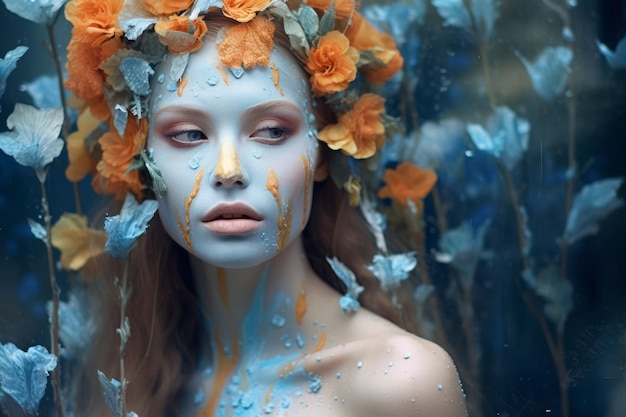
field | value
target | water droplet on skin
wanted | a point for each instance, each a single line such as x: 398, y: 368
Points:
x: 338, y: 375
x: 406, y: 356
x: 390, y: 364
x: 161, y: 78
x: 172, y: 86
x: 212, y: 80
x: 257, y: 153
x: 359, y: 364
x: 237, y: 72
x: 278, y: 321
x: 439, y: 387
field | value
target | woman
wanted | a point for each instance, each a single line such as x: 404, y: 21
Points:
x: 232, y: 313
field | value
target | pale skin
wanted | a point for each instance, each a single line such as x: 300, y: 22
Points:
x: 239, y: 163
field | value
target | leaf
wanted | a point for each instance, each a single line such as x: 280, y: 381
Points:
x: 293, y: 29
x: 137, y: 73
x: 549, y: 71
x: 557, y: 293
x: 506, y: 136
x: 111, y: 389
x: 34, y: 141
x: 24, y: 375
x: 485, y: 13
x: 454, y: 13
x: 309, y: 21
x: 327, y: 22
x: 594, y: 202
x: 126, y: 227
x: 392, y: 269
x: 616, y: 59
x: 247, y: 44
x: 376, y: 223
x: 42, y: 12
x: 38, y: 231
x: 8, y: 64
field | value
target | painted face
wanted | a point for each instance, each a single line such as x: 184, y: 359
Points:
x: 237, y: 156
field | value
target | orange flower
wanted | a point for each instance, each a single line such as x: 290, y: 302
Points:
x: 360, y: 132
x: 243, y: 10
x: 407, y: 182
x: 81, y: 162
x: 332, y: 64
x: 364, y: 37
x: 247, y: 44
x: 117, y: 155
x: 85, y: 79
x: 77, y: 242
x: 95, y: 21
x: 166, y: 7
x: 180, y: 34
x: 343, y: 8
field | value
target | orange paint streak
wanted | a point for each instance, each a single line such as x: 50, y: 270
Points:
x: 222, y: 71
x: 290, y: 367
x: 276, y: 79
x: 321, y: 343
x: 301, y: 305
x: 225, y: 367
x: 222, y: 288
x: 194, y: 192
x: 284, y: 225
x: 268, y: 395
x: 181, y: 86
x: 307, y: 173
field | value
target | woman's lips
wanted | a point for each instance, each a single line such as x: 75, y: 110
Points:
x: 232, y: 218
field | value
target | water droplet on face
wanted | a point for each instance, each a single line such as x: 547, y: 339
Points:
x: 212, y: 80
x: 257, y: 153
x: 237, y: 72
x: 359, y: 364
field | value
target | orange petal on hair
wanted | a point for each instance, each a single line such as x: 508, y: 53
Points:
x: 243, y: 10
x: 180, y: 34
x: 343, y: 8
x: 247, y: 44
x: 95, y: 21
x: 166, y: 7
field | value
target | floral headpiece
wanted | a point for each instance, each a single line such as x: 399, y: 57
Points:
x: 116, y: 44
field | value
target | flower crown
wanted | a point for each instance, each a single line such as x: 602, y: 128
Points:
x: 116, y: 44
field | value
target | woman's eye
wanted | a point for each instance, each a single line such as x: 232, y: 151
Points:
x: 188, y: 136
x: 272, y: 133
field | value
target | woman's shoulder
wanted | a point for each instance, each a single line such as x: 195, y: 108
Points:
x: 383, y: 370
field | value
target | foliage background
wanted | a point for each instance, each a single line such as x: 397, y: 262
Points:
x: 517, y: 373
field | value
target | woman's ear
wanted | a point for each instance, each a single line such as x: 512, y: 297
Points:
x: 321, y: 165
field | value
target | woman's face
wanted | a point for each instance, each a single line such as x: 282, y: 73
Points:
x: 237, y: 157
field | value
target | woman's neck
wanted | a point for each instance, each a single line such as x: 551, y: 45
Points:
x: 255, y: 311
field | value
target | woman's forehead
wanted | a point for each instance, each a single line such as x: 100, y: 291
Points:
x: 206, y: 78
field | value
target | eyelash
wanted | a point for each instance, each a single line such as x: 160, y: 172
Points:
x: 283, y: 131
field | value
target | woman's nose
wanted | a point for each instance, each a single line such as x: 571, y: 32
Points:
x: 227, y: 169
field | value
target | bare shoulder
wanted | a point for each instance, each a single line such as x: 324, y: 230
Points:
x: 404, y: 375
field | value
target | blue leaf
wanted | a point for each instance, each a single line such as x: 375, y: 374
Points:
x: 44, y: 91
x: 111, y: 389
x: 397, y: 18
x: 137, y: 73
x: 24, y: 375
x: 38, y: 231
x: 549, y: 71
x: 617, y: 59
x: 126, y: 227
x: 557, y: 293
x: 485, y: 13
x: 506, y: 136
x: 594, y: 202
x: 462, y: 248
x: 34, y: 140
x: 392, y: 269
x: 76, y: 326
x: 349, y: 301
x: 454, y: 13
x: 8, y: 64
x: 42, y: 12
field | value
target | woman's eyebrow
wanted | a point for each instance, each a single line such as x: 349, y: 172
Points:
x: 272, y: 106
x: 189, y: 112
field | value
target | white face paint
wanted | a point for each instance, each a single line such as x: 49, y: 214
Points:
x: 237, y: 159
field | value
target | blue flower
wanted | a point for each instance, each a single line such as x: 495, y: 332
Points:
x: 506, y: 136
x: 483, y: 13
x: 594, y: 202
x: 348, y: 302
x: 8, y: 64
x: 76, y: 326
x: 126, y: 227
x: 616, y: 59
x: 392, y: 269
x: 34, y: 140
x: 24, y: 375
x: 549, y: 71
x: 556, y: 292
x: 42, y: 12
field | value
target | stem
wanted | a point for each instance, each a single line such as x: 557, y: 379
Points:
x: 484, y: 60
x: 66, y: 120
x: 54, y: 319
x: 124, y: 332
